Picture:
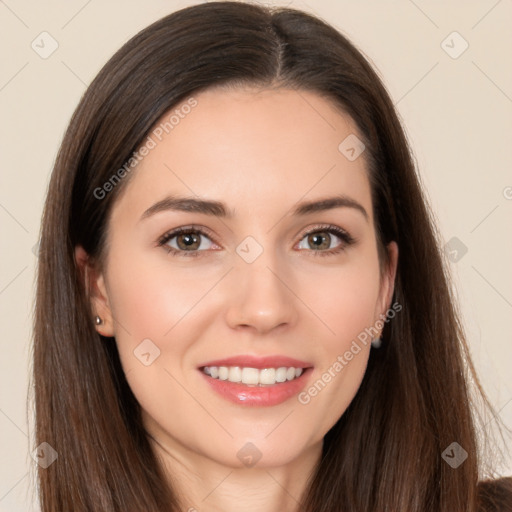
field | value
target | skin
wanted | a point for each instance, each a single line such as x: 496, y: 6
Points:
x: 260, y: 152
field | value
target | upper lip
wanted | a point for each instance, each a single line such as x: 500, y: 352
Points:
x: 259, y: 362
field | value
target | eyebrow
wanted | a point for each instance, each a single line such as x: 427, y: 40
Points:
x: 219, y: 209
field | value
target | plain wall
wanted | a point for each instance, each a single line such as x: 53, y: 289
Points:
x: 457, y: 113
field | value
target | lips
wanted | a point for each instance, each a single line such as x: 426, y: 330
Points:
x: 256, y: 381
x: 260, y: 362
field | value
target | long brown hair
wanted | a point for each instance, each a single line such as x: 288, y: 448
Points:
x: 385, y: 452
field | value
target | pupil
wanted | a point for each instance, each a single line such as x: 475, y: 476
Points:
x: 188, y: 240
x: 319, y: 241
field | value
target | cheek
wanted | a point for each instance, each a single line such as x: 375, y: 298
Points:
x: 344, y: 300
x: 148, y: 300
x: 159, y: 309
x: 153, y: 307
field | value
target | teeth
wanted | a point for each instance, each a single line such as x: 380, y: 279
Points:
x: 253, y: 376
x: 250, y: 376
x: 267, y: 376
x: 281, y: 374
x: 235, y: 374
x: 290, y: 374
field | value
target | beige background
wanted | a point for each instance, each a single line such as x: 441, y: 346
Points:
x: 457, y: 113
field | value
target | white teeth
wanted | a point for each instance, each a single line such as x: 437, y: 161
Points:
x: 253, y: 376
x: 250, y: 376
x: 281, y: 374
x: 268, y: 376
x: 235, y: 374
x: 290, y: 374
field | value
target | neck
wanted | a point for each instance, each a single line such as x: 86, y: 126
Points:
x: 203, y: 484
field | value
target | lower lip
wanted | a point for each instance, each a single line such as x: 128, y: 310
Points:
x: 262, y: 396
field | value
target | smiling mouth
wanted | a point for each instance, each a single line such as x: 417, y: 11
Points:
x: 254, y: 377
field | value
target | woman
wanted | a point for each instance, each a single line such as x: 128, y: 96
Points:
x: 241, y: 301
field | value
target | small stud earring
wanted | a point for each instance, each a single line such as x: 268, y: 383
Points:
x: 98, y: 320
x: 376, y: 343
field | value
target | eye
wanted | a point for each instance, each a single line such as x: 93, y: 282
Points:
x: 186, y: 241
x: 326, y: 240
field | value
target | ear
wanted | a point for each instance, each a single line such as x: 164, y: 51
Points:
x: 387, y: 286
x: 96, y: 290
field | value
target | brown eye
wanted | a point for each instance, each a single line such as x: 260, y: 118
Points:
x: 326, y: 240
x: 188, y: 241
x: 319, y: 240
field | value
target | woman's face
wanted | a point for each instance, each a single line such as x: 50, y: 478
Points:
x: 278, y: 270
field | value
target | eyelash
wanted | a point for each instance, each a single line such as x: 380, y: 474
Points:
x: 345, y: 237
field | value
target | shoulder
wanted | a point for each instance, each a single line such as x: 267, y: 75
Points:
x: 495, y: 495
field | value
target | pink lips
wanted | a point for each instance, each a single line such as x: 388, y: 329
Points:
x: 259, y: 362
x: 263, y: 396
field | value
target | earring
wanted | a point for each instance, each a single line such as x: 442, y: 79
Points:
x: 98, y: 320
x: 376, y: 343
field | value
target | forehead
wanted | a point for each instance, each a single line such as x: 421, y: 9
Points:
x: 255, y: 149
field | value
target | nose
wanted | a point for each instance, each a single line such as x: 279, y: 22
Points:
x: 261, y: 298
